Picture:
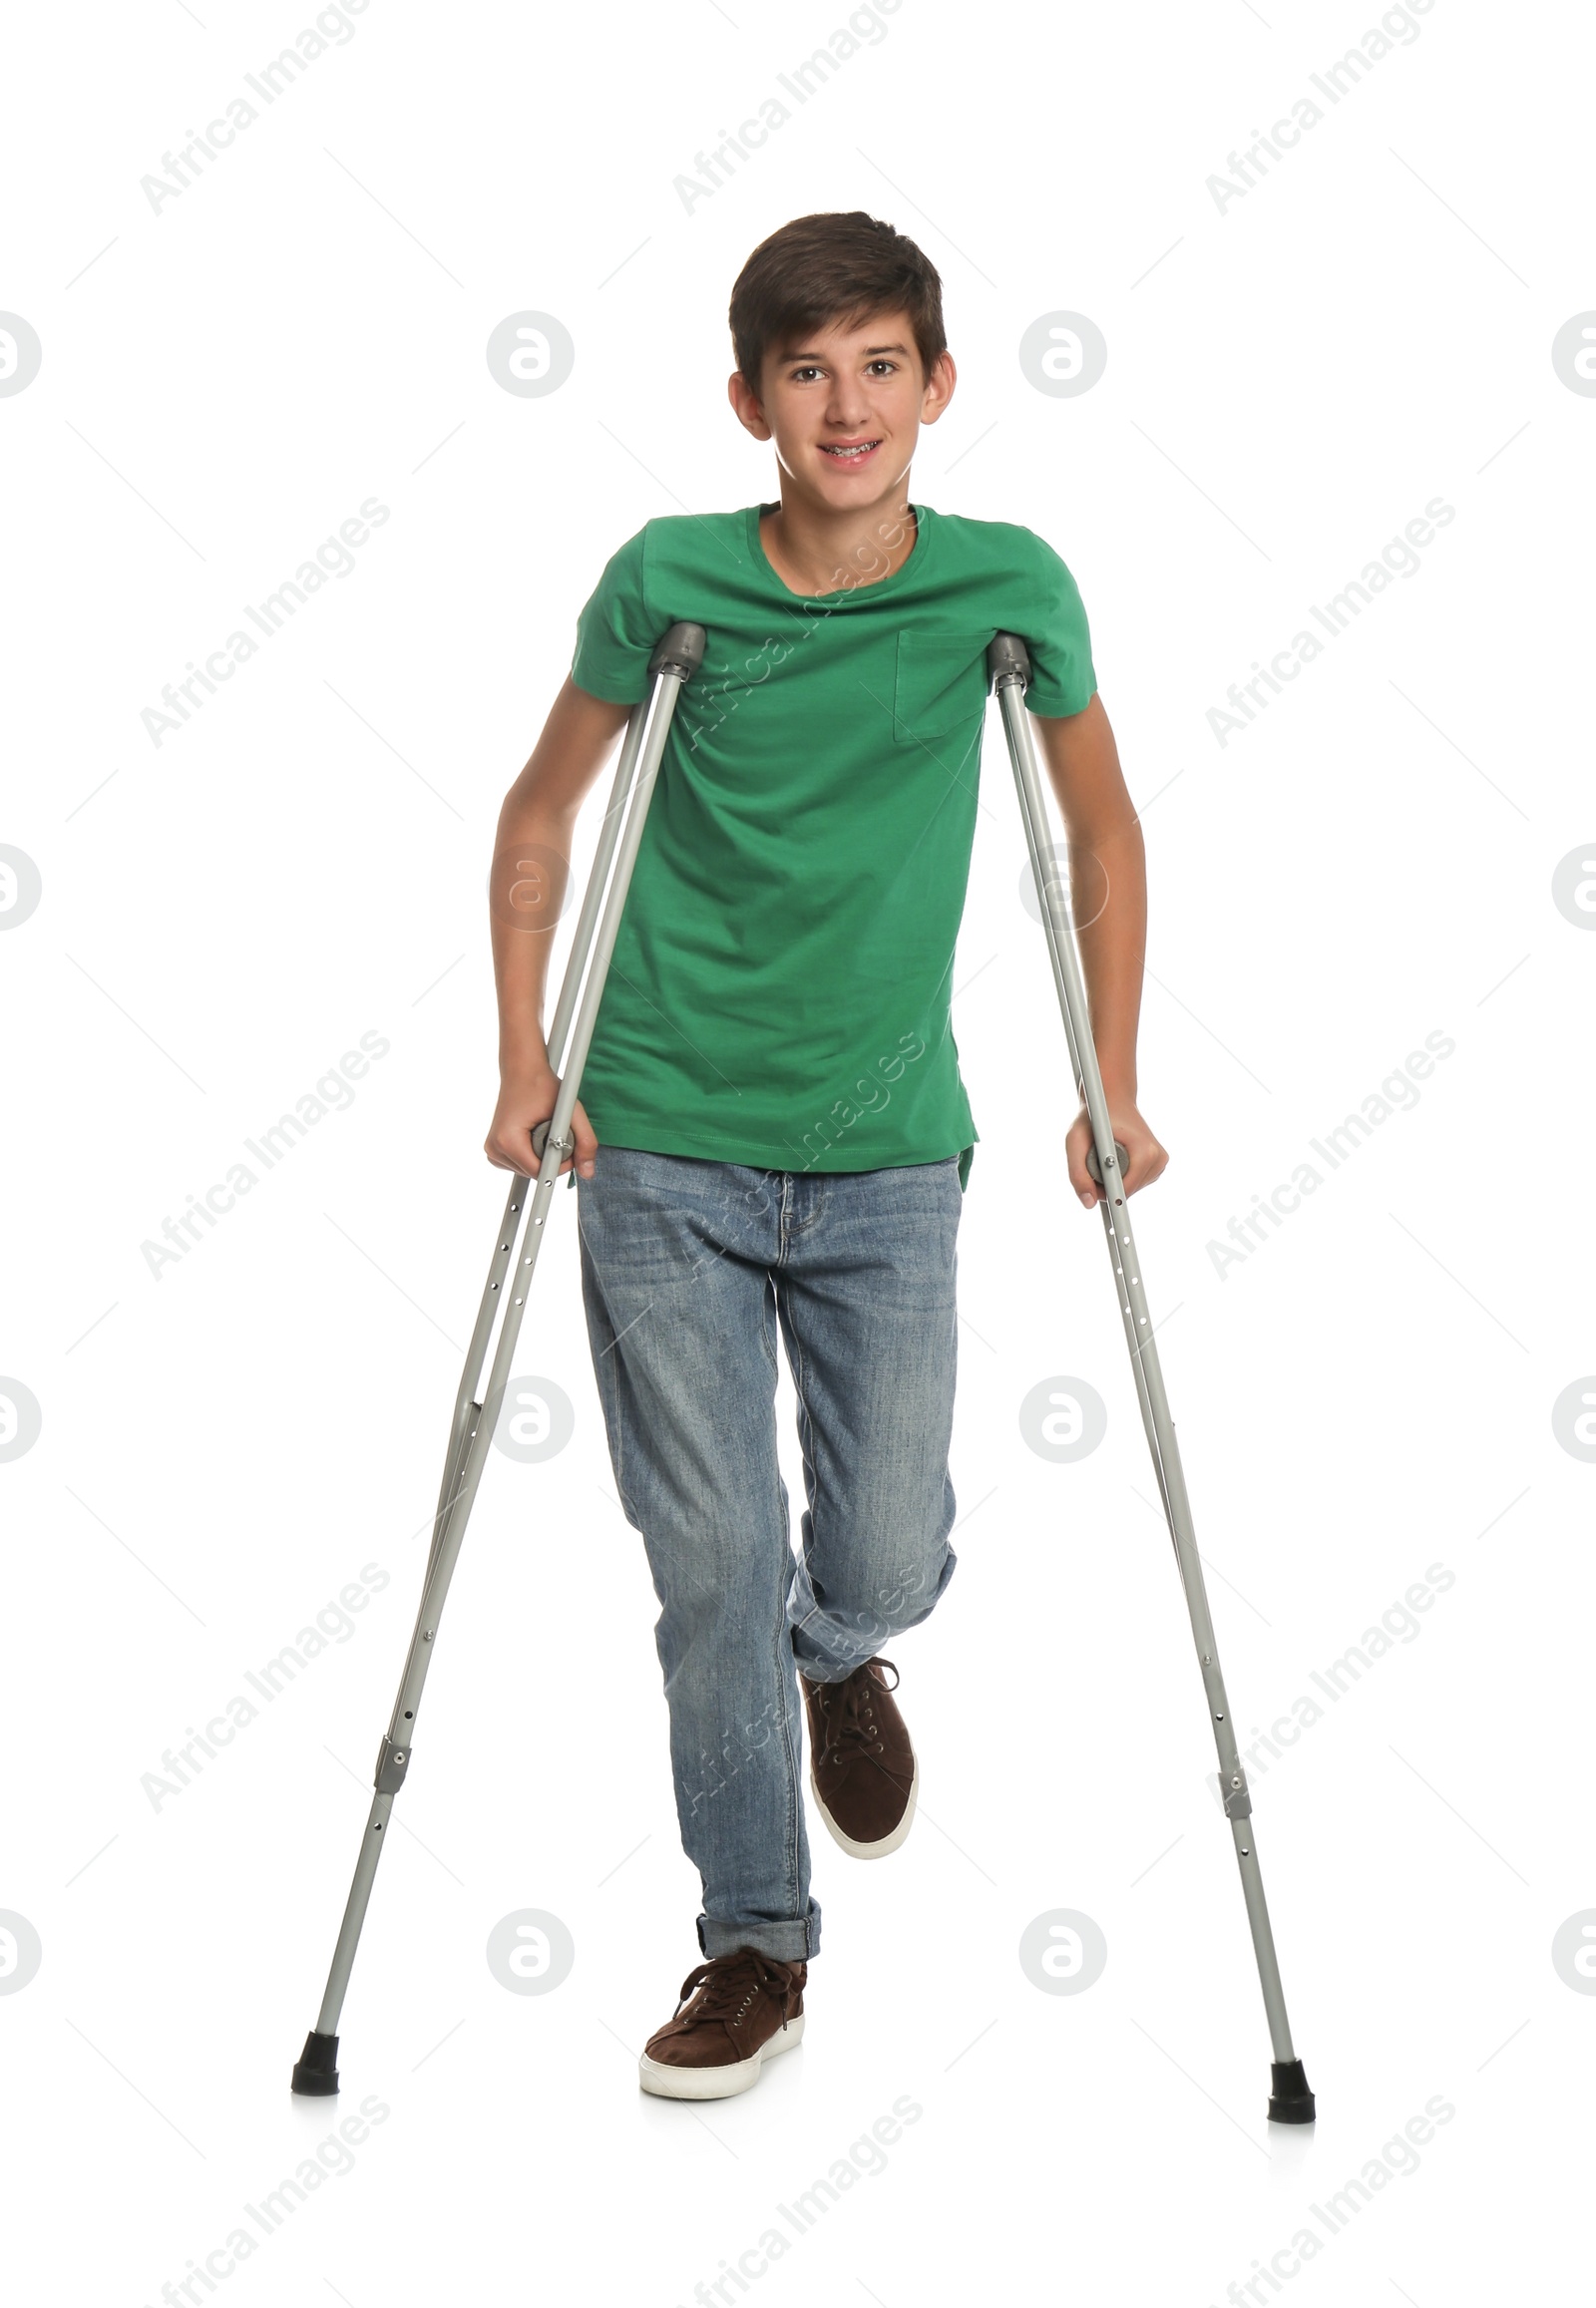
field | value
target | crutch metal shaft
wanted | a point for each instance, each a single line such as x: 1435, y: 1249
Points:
x: 1008, y: 668
x: 517, y: 1242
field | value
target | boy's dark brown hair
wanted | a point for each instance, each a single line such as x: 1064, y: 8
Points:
x: 837, y: 266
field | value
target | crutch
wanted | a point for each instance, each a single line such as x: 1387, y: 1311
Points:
x: 674, y: 661
x: 1008, y: 671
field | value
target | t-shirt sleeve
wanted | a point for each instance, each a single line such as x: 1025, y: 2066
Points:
x: 615, y: 634
x: 1056, y: 634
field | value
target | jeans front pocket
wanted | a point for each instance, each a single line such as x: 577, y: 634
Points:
x: 941, y: 682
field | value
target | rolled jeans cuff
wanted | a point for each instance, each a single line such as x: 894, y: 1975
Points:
x: 787, y: 1943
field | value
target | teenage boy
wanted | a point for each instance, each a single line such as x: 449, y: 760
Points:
x: 773, y: 1132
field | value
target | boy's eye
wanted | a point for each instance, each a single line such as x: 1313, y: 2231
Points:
x: 809, y: 370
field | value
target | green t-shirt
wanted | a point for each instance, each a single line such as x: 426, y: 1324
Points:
x: 780, y: 986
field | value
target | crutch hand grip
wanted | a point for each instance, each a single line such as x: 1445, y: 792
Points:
x: 1121, y: 1156
x: 540, y: 1139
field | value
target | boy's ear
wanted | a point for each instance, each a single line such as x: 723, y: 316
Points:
x: 939, y: 388
x: 746, y: 404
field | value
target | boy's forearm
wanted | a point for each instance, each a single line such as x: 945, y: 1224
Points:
x: 1108, y: 891
x: 531, y: 867
x: 1108, y: 881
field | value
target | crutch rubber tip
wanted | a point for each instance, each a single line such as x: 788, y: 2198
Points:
x: 1290, y: 2101
x: 315, y: 2073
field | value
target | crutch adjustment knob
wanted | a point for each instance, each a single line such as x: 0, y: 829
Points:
x: 392, y: 1764
x: 1290, y: 2101
x: 1007, y: 659
x: 680, y: 651
x: 1121, y: 1157
x: 315, y: 2071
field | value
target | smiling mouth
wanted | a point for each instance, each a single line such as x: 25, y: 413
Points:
x: 849, y: 452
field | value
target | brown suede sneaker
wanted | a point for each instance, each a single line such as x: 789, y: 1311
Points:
x: 736, y: 2011
x: 862, y: 1765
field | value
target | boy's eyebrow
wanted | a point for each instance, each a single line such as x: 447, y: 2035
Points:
x: 870, y: 353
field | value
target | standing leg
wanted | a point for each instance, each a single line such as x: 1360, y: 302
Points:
x: 676, y: 1256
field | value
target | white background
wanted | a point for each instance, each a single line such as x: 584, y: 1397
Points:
x: 1289, y: 381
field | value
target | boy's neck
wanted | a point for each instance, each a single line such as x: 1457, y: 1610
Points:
x: 815, y: 548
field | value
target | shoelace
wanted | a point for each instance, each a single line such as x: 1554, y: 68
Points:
x: 847, y: 1711
x: 730, y: 1987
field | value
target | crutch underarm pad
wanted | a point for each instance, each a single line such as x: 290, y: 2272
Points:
x: 680, y: 649
x: 1008, y: 653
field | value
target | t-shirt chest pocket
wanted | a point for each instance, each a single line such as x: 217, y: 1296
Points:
x: 939, y: 684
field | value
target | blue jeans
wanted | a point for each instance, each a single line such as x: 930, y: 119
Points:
x: 687, y: 1268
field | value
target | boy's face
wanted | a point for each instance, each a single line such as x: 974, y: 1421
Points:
x: 844, y: 406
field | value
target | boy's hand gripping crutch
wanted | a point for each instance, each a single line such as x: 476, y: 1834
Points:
x: 1008, y: 669
x: 674, y: 661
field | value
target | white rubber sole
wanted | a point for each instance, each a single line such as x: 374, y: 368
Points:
x: 717, y: 2083
x: 888, y: 1842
